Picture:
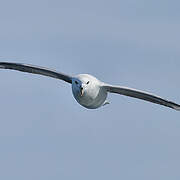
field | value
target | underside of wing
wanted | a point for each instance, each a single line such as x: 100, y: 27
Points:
x: 141, y: 95
x: 35, y: 70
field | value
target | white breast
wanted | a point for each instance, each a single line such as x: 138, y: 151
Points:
x: 92, y: 99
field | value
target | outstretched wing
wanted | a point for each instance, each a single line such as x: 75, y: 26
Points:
x: 141, y: 95
x: 35, y: 70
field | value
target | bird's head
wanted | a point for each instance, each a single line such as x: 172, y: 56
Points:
x: 80, y: 84
x: 83, y: 83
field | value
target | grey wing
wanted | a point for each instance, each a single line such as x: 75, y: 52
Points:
x: 141, y: 95
x: 35, y: 70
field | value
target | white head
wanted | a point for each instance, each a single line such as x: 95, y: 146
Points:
x: 85, y: 88
x: 82, y: 82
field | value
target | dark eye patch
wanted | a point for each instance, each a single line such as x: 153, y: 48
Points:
x: 87, y: 82
x: 76, y: 82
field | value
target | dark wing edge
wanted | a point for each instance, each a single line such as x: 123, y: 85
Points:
x: 35, y: 70
x: 141, y: 95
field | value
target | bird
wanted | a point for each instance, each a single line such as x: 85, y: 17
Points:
x: 88, y: 91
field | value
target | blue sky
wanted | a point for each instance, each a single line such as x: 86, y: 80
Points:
x: 45, y: 134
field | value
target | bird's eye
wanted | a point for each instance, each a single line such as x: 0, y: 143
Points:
x: 87, y: 82
x: 76, y: 82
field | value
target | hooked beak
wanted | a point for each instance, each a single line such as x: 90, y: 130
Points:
x: 81, y: 91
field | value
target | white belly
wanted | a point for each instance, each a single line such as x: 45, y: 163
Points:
x: 92, y: 99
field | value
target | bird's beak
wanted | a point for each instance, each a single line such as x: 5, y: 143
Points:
x: 81, y: 91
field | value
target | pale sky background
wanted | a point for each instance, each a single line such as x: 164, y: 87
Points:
x: 45, y: 134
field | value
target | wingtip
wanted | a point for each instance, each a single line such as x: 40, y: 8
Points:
x: 177, y: 108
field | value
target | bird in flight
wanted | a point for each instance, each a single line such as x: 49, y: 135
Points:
x: 88, y: 90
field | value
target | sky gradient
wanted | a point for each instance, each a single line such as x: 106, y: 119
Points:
x: 45, y: 134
